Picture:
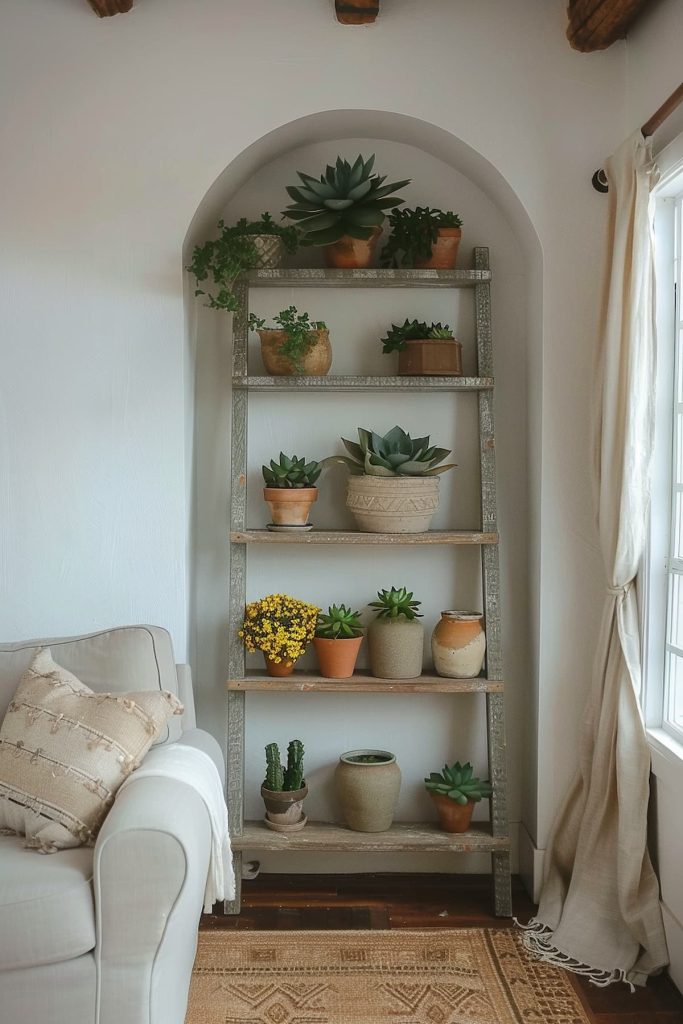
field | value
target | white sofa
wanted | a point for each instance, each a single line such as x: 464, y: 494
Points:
x: 107, y: 935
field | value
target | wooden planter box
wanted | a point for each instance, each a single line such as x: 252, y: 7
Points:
x: 431, y: 357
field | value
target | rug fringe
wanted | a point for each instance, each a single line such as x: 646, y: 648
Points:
x: 537, y: 940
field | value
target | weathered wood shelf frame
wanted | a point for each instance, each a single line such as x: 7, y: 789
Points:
x: 491, y: 837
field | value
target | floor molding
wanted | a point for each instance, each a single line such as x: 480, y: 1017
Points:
x: 530, y: 863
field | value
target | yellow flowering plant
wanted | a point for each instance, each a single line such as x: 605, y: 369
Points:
x: 279, y: 625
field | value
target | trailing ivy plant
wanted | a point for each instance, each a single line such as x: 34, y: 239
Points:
x: 413, y: 232
x: 413, y: 330
x: 299, y: 331
x: 222, y: 260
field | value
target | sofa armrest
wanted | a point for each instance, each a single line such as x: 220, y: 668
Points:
x: 150, y: 867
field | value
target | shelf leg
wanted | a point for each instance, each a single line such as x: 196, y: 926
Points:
x: 502, y: 888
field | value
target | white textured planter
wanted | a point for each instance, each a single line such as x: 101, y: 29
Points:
x: 393, y: 504
x: 395, y: 648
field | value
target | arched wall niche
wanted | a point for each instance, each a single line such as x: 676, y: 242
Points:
x: 448, y: 165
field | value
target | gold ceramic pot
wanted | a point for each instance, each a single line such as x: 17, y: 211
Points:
x: 314, y: 363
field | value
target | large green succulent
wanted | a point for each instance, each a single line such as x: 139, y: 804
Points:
x: 395, y: 454
x: 346, y: 200
x: 457, y: 783
x: 291, y: 471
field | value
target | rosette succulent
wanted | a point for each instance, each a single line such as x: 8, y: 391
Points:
x: 414, y: 330
x: 458, y: 784
x: 395, y: 454
x: 395, y: 602
x: 291, y: 471
x: 339, y: 623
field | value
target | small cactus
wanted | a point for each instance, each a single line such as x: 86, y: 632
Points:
x: 275, y: 776
x: 294, y: 774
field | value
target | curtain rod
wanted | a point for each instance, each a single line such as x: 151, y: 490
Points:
x: 599, y: 179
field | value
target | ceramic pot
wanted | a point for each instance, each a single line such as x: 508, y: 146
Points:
x: 352, y: 253
x: 337, y: 658
x: 368, y: 792
x: 392, y: 504
x: 444, y: 250
x: 284, y: 811
x: 426, y: 357
x: 278, y: 668
x: 270, y: 250
x: 290, y: 506
x: 459, y: 645
x: 315, y: 363
x: 357, y: 12
x: 453, y: 817
x: 395, y: 648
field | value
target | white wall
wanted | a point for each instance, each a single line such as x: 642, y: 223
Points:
x: 114, y: 131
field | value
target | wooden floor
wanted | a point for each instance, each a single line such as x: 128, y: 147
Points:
x: 285, y: 902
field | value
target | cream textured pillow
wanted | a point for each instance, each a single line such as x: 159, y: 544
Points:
x: 65, y: 750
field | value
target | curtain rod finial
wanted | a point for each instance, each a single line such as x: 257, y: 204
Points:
x: 599, y: 181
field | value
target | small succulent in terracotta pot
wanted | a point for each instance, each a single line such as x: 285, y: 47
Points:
x: 284, y: 789
x: 338, y: 636
x: 454, y: 792
x: 290, y: 490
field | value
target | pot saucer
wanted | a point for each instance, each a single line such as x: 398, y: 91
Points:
x: 289, y: 529
x: 277, y: 827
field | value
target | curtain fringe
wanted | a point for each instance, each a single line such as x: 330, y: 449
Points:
x: 537, y: 940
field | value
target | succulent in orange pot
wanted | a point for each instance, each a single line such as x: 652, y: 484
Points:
x: 422, y: 238
x: 338, y: 636
x: 455, y: 791
x: 290, y: 491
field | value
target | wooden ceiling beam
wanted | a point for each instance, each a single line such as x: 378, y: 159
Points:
x: 107, y: 8
x: 356, y: 12
x: 596, y: 24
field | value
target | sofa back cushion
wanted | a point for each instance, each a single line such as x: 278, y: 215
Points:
x: 128, y: 658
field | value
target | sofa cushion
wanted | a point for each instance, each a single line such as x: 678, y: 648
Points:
x: 46, y: 905
x: 65, y: 750
x: 125, y: 658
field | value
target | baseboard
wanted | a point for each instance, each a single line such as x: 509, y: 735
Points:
x: 674, y: 938
x: 530, y: 863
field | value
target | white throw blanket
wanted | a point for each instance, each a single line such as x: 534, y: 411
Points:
x: 195, y: 768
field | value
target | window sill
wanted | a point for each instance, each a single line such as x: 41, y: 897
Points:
x: 667, y: 755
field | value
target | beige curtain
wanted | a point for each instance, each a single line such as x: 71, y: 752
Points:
x: 599, y: 911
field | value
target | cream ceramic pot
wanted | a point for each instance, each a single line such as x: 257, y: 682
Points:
x: 368, y: 789
x: 459, y: 644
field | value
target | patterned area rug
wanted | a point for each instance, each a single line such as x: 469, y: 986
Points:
x: 444, y: 976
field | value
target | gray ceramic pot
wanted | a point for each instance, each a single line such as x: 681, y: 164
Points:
x: 368, y: 790
x: 395, y: 648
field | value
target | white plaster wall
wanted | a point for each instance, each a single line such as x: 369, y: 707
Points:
x: 113, y: 132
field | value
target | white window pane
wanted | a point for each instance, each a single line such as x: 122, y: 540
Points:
x: 677, y: 525
x: 674, y: 690
x: 675, y: 611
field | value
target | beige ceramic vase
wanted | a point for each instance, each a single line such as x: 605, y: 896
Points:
x: 368, y: 784
x: 459, y: 645
x: 395, y: 648
x: 315, y: 363
x: 392, y: 504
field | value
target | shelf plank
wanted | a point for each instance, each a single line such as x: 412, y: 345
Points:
x: 402, y: 837
x: 309, y: 682
x: 366, y: 384
x: 356, y: 537
x: 375, y: 277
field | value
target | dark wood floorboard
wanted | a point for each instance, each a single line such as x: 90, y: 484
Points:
x: 381, y: 901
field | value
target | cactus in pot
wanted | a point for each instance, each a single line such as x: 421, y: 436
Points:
x: 284, y: 789
x: 395, y: 637
x: 455, y: 791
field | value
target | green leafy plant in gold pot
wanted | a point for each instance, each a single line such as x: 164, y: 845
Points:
x: 296, y: 345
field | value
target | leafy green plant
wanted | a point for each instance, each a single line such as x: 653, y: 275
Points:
x: 395, y: 602
x: 346, y: 200
x: 413, y: 330
x: 458, y: 784
x: 395, y: 454
x: 291, y: 471
x: 339, y: 623
x: 413, y: 232
x: 222, y: 260
x: 289, y: 779
x: 299, y: 332
x: 369, y: 758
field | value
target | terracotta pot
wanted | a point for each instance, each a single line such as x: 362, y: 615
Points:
x: 431, y: 357
x: 285, y: 810
x: 368, y: 792
x: 290, y: 506
x: 459, y: 645
x: 444, y: 250
x: 270, y: 251
x: 278, y: 668
x: 337, y: 658
x: 357, y: 12
x: 315, y: 363
x: 352, y: 253
x: 395, y: 648
x: 453, y: 817
x: 392, y: 504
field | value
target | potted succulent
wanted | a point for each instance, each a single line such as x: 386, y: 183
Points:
x: 395, y: 637
x: 422, y: 238
x: 290, y: 491
x: 246, y: 245
x: 393, y: 485
x: 343, y: 210
x: 296, y: 345
x: 455, y: 792
x: 281, y: 627
x: 368, y: 784
x: 284, y: 789
x: 424, y: 350
x: 338, y: 636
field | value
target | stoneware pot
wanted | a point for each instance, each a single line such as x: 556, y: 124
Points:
x: 459, y: 645
x: 453, y: 817
x: 368, y: 792
x: 270, y: 251
x: 444, y: 250
x: 427, y: 357
x: 315, y: 363
x: 395, y: 648
x: 392, y: 504
x: 290, y: 506
x: 352, y: 253
x: 278, y: 668
x: 337, y: 658
x: 284, y: 811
